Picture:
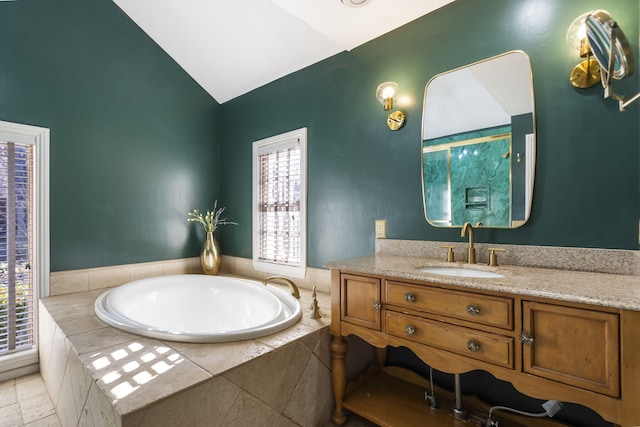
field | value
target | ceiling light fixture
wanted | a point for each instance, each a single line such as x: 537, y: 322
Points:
x: 355, y: 3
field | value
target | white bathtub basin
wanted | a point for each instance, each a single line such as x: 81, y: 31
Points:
x: 198, y: 308
x: 460, y: 272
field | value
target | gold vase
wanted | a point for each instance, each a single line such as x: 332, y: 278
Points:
x: 210, y: 257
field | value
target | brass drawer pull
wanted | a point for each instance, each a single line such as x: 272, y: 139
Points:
x: 473, y: 346
x: 526, y: 339
x: 377, y: 306
x: 409, y: 297
x: 410, y: 330
x: 473, y: 309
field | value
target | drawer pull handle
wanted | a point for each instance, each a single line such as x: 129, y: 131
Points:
x: 473, y: 346
x: 526, y: 339
x: 409, y: 297
x: 377, y: 306
x: 473, y: 309
x: 410, y: 330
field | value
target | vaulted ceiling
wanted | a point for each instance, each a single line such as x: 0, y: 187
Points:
x: 232, y: 47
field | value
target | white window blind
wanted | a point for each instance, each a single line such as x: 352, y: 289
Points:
x: 279, y: 225
x: 17, y: 292
x: 279, y: 206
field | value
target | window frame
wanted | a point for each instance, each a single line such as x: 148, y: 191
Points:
x: 267, y: 145
x: 26, y: 361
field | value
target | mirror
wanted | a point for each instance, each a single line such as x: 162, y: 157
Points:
x: 478, y: 144
x: 613, y: 53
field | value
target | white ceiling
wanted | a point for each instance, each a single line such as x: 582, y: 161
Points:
x: 232, y: 47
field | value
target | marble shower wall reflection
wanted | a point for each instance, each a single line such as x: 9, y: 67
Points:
x: 467, y: 178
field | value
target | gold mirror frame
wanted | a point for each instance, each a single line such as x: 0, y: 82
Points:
x: 478, y: 158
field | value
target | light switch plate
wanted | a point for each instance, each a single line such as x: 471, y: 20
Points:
x: 381, y: 228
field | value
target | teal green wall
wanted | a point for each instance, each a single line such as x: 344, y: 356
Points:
x: 134, y: 140
x: 586, y: 186
x: 136, y: 143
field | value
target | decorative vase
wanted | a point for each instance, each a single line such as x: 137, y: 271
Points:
x: 210, y: 258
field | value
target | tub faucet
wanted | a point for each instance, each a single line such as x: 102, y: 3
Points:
x: 294, y: 289
x: 472, y: 250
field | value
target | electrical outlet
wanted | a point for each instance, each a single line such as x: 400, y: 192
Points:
x: 381, y: 228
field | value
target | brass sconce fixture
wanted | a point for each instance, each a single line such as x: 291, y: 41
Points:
x: 386, y: 94
x: 610, y: 48
x: 587, y: 72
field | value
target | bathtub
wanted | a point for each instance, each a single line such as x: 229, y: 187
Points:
x: 198, y: 308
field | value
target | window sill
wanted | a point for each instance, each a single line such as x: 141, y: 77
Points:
x: 279, y: 269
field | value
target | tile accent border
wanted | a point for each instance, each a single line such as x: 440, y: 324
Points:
x: 594, y: 260
x: 72, y: 281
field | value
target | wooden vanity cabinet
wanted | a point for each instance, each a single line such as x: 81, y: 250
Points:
x: 547, y: 349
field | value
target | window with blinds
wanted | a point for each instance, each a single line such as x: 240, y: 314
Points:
x: 17, y: 292
x: 279, y: 212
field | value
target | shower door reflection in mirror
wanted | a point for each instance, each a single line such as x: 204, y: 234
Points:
x: 478, y: 144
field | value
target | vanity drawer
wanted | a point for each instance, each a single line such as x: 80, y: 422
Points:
x: 492, y: 348
x: 480, y: 309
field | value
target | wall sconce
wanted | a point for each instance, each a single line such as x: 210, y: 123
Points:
x: 611, y: 50
x: 386, y: 94
x: 587, y: 72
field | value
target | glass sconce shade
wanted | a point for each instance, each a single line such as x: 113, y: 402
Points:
x: 386, y: 93
x: 577, y: 32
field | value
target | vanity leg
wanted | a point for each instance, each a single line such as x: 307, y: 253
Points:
x: 630, y: 366
x: 338, y: 348
x: 381, y: 356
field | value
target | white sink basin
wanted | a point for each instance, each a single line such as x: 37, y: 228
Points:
x: 460, y: 272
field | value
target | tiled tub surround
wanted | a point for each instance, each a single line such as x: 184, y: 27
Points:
x: 98, y: 375
x: 66, y: 282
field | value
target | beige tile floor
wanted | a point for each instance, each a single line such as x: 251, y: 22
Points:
x: 25, y: 402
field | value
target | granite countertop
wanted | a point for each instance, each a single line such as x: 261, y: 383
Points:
x: 607, y: 290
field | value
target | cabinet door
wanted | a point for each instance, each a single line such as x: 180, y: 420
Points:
x: 575, y: 346
x: 360, y: 297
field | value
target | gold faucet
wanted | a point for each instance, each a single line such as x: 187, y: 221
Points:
x: 294, y: 289
x: 472, y: 250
